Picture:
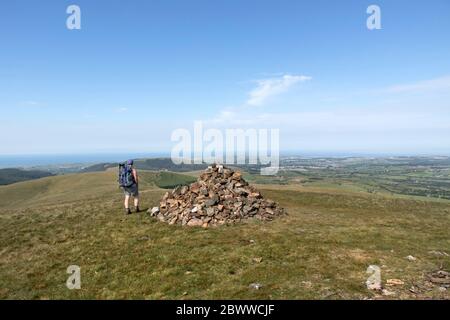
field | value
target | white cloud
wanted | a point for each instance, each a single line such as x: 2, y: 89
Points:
x: 267, y: 88
x: 442, y: 83
x: 121, y: 110
x: 258, y: 96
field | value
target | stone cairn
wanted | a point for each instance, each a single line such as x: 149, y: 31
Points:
x: 220, y: 196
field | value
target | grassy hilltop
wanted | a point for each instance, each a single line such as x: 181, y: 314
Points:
x: 321, y: 250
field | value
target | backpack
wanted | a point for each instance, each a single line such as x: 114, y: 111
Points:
x: 126, y: 178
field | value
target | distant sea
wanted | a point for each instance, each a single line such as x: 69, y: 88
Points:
x: 19, y: 161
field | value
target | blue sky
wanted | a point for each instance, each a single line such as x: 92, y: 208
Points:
x: 137, y: 70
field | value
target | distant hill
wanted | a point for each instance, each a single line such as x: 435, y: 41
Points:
x: 98, y: 167
x: 169, y: 180
x: 9, y: 176
x: 153, y: 164
x: 165, y: 164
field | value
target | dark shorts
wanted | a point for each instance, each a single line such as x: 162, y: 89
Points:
x: 131, y: 191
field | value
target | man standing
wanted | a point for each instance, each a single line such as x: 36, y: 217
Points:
x: 129, y: 182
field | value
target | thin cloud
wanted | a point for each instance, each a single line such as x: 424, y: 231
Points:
x: 442, y: 83
x: 258, y: 96
x: 121, y: 110
x: 267, y: 88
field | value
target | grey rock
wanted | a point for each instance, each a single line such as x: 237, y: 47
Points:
x: 210, y: 212
x: 211, y: 202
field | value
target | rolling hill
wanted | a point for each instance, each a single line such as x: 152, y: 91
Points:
x: 321, y: 250
x: 83, y: 186
x: 11, y: 175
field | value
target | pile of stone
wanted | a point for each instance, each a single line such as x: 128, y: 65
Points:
x: 220, y: 196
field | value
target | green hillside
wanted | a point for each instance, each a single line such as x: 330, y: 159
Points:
x: 169, y: 180
x: 10, y: 176
x: 83, y: 186
x: 321, y: 250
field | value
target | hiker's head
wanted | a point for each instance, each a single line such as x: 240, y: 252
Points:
x: 130, y: 162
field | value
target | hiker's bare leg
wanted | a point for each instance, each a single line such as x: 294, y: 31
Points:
x: 136, y: 202
x: 126, y: 202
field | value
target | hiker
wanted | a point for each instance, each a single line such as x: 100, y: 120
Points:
x: 129, y: 182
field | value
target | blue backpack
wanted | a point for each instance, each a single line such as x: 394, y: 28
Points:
x: 126, y: 178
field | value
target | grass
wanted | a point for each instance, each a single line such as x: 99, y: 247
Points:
x: 170, y: 180
x: 321, y: 250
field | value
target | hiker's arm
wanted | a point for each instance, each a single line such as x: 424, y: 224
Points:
x: 135, y: 175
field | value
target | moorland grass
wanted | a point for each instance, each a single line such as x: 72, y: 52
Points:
x: 321, y: 250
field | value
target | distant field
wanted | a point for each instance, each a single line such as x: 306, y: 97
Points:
x: 416, y: 176
x: 321, y: 250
